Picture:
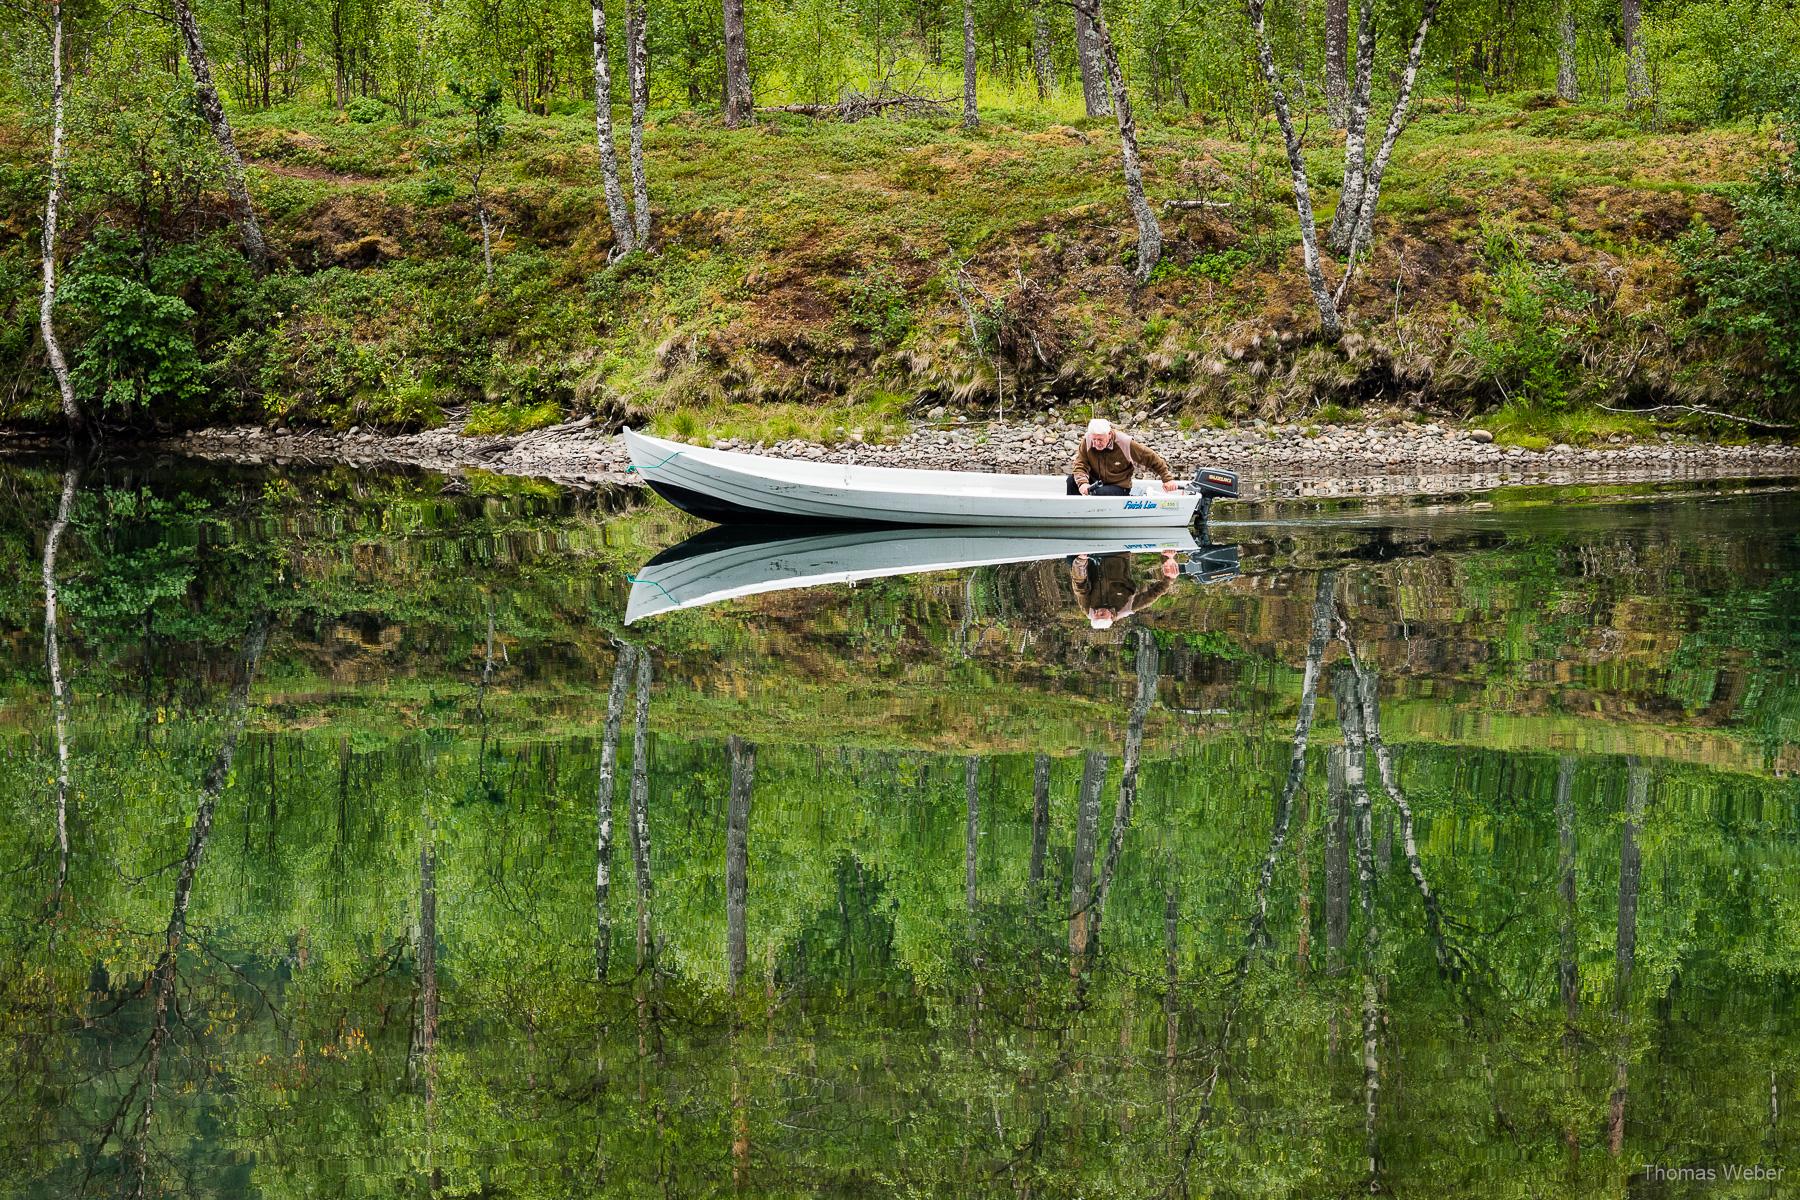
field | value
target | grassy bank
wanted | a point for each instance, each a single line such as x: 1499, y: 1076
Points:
x: 811, y: 277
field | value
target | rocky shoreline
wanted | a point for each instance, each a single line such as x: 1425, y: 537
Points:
x: 1277, y: 461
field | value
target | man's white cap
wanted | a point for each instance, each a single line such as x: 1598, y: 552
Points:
x: 1100, y: 622
x: 1098, y: 426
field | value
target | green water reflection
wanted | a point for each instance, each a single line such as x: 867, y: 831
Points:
x: 1442, y: 852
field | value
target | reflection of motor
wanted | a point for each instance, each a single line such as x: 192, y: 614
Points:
x: 1210, y: 563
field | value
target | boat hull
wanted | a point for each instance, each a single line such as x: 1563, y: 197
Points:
x: 731, y: 488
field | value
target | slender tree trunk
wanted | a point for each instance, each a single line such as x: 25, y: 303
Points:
x: 249, y: 230
x: 1337, y: 46
x: 1148, y: 670
x: 616, y: 213
x: 1171, y: 1005
x: 1568, y: 968
x: 1368, y: 703
x: 1337, y: 862
x: 1568, y: 84
x: 1350, y: 717
x: 1364, y: 230
x: 1356, y: 133
x: 59, y: 367
x: 1303, y: 918
x: 971, y: 828
x: 59, y: 691
x: 1323, y: 608
x: 737, y: 856
x: 487, y: 239
x: 623, y: 668
x: 1149, y: 232
x: 1040, y: 828
x: 1625, y: 956
x: 1041, y: 65
x: 1637, y: 74
x: 162, y: 975
x: 1081, y: 869
x: 640, y: 810
x: 1329, y: 321
x: 638, y: 60
x: 1094, y: 87
x: 970, y: 118
x: 740, y: 108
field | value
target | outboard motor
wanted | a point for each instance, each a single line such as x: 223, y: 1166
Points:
x: 1211, y: 564
x: 1216, y: 484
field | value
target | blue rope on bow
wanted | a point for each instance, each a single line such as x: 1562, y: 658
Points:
x: 659, y: 587
x: 653, y: 465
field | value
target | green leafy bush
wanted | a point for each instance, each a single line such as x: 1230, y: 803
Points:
x: 1536, y: 313
x: 1749, y: 285
x: 367, y: 110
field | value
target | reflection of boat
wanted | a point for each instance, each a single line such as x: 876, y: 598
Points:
x: 723, y: 486
x: 722, y: 564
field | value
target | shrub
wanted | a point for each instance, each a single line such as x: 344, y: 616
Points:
x: 1748, y: 286
x: 367, y: 110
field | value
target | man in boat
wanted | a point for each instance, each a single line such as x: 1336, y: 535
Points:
x: 1108, y: 591
x: 1106, y: 460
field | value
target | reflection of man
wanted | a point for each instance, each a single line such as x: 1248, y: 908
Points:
x: 1105, y: 461
x: 1106, y: 589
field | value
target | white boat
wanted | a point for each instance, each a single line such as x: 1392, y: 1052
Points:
x: 724, y: 486
x: 724, y: 564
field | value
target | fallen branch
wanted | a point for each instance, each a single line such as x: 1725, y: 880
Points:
x: 1187, y: 204
x: 1699, y: 410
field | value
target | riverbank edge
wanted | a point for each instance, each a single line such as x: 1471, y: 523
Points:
x: 1278, y: 462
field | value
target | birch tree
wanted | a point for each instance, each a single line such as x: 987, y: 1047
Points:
x: 1041, y: 66
x: 249, y: 230
x: 637, y: 61
x: 970, y: 118
x: 1329, y: 321
x: 603, y: 808
x: 616, y: 211
x: 1356, y: 129
x: 1337, y: 46
x: 739, y: 106
x: 59, y: 367
x: 1568, y: 86
x: 1149, y: 231
x: 1637, y: 72
x: 1087, y: 58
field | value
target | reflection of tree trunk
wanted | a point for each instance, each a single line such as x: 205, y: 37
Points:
x: 1344, y: 687
x: 425, y: 1037
x: 737, y: 837
x: 59, y: 691
x: 603, y: 808
x: 1369, y: 709
x: 1303, y: 920
x: 1337, y: 862
x: 1171, y: 1011
x: 162, y: 976
x: 971, y: 847
x: 1568, y: 968
x: 1254, y: 935
x: 1040, y: 828
x: 1630, y: 871
x: 1081, y: 870
x: 1148, y: 665
x: 640, y: 859
x: 1296, y: 773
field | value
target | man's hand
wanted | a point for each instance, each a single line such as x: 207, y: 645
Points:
x: 1084, y: 489
x: 1168, y: 485
x: 1170, y: 568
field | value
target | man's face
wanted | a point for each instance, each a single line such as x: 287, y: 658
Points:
x: 1101, y: 441
x: 1103, y: 614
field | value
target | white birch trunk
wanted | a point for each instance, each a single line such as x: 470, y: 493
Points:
x: 1041, y: 65
x: 616, y: 212
x: 970, y: 118
x: 740, y: 107
x: 1356, y: 132
x: 1568, y: 84
x: 1149, y: 232
x: 1093, y: 74
x: 249, y: 230
x: 59, y: 367
x: 636, y: 32
x: 603, y: 809
x: 1637, y: 74
x: 1329, y: 321
x: 1363, y: 232
x: 59, y: 692
x: 1337, y: 50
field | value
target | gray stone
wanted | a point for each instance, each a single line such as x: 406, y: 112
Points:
x: 1480, y: 435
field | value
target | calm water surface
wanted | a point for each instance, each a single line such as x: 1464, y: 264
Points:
x: 1431, y: 851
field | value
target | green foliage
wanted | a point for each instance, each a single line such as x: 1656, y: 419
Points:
x: 510, y: 416
x: 1725, y: 58
x: 1749, y: 285
x: 1534, y: 315
x: 366, y: 110
x: 878, y: 307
